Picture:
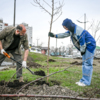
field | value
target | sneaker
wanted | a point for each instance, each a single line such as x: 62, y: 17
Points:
x: 21, y: 79
x: 77, y: 82
x: 81, y: 84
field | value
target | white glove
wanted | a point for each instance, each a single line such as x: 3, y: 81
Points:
x: 2, y: 50
x: 24, y: 64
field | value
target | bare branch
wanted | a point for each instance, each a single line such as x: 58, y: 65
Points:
x: 55, y: 11
x: 47, y: 3
x: 91, y: 25
x: 34, y: 5
x: 58, y: 17
x: 38, y: 3
x: 58, y: 10
x: 98, y: 26
x: 59, y: 5
x: 98, y: 38
x: 96, y: 29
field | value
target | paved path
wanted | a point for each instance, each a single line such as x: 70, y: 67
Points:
x: 5, y: 65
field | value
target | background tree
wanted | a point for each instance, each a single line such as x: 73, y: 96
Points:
x: 95, y: 28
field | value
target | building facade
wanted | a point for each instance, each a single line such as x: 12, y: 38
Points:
x: 2, y: 25
x: 29, y: 32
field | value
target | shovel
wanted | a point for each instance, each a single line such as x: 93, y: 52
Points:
x: 40, y: 73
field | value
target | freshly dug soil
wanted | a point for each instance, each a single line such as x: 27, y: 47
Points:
x: 51, y: 60
x: 47, y: 90
x: 78, y: 63
x: 40, y: 73
x: 42, y: 88
x: 17, y: 84
x: 39, y: 87
x: 33, y: 64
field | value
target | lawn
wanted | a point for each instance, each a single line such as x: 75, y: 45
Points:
x: 65, y: 78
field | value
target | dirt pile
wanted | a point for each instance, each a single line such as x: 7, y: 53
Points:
x: 17, y: 85
x: 40, y: 73
x: 47, y: 90
x: 78, y: 63
x: 51, y: 60
x: 40, y: 90
x: 33, y: 64
x: 13, y: 84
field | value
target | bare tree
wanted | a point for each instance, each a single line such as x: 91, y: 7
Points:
x: 70, y: 49
x: 55, y: 10
x: 40, y: 45
x: 95, y: 27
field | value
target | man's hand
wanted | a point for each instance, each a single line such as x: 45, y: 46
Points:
x: 51, y: 34
x: 24, y: 64
x: 2, y: 51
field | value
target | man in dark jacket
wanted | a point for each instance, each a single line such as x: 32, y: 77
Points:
x: 11, y: 39
x: 85, y: 43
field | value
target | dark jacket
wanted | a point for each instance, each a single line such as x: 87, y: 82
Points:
x: 6, y: 36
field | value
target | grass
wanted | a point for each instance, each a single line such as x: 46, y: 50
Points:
x: 7, y: 74
x: 66, y: 78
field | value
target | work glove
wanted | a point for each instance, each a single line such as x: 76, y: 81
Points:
x: 51, y: 34
x: 2, y: 51
x: 24, y: 64
x: 82, y: 53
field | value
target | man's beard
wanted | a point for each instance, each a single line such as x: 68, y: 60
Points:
x: 18, y: 34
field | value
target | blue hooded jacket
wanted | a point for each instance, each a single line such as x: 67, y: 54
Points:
x: 81, y: 38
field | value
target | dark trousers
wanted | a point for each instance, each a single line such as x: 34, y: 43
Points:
x: 16, y: 57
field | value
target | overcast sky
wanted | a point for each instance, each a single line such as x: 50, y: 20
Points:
x: 39, y: 19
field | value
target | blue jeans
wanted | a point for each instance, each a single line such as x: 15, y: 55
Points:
x: 87, y: 67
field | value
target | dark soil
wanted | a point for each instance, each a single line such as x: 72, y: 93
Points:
x: 51, y: 60
x: 41, y: 88
x: 78, y: 63
x: 33, y: 64
x: 37, y: 88
x: 40, y: 73
x: 15, y: 85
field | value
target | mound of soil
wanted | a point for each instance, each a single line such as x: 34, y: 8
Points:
x: 33, y: 64
x: 12, y: 87
x: 16, y: 83
x: 51, y: 60
x: 13, y: 84
x: 40, y: 73
x: 48, y: 90
x: 39, y: 87
x: 78, y: 63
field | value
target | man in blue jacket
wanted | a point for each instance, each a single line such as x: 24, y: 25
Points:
x: 85, y: 43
